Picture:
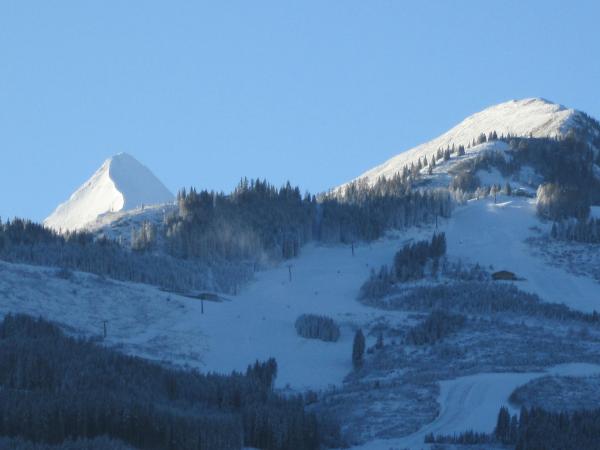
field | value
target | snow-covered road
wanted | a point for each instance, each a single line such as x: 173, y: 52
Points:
x: 472, y: 403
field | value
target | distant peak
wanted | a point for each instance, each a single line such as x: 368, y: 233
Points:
x: 121, y: 183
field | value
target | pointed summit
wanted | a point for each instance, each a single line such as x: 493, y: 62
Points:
x: 121, y: 183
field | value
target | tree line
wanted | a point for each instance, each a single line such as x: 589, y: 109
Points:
x: 260, y: 219
x: 55, y: 389
x: 585, y: 230
x: 23, y: 241
x: 483, y: 297
x: 535, y: 428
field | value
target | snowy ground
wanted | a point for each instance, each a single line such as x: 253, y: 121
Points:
x: 581, y: 259
x: 259, y: 322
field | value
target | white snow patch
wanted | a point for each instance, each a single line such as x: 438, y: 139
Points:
x: 491, y: 177
x: 528, y: 176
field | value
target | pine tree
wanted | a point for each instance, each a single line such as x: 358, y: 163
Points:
x: 502, y: 430
x: 358, y: 349
x: 513, y: 430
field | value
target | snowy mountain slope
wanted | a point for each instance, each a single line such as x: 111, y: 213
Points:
x: 325, y: 280
x: 258, y: 323
x: 120, y: 184
x: 532, y: 117
x: 229, y: 335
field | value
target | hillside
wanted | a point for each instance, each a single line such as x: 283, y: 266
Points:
x: 258, y: 322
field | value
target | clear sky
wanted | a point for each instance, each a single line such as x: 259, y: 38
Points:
x: 316, y: 92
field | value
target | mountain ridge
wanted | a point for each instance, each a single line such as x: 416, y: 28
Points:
x: 529, y: 117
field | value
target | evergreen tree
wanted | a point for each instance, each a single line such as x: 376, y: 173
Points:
x: 358, y: 349
x: 502, y: 431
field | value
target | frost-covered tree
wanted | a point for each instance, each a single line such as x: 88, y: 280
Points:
x: 555, y: 202
x: 144, y: 238
x: 578, y: 230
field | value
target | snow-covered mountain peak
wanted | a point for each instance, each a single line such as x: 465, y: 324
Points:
x: 121, y: 183
x: 529, y: 117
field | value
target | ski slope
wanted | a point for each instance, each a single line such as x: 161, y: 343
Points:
x: 494, y: 235
x: 256, y: 324
x: 120, y: 184
x: 259, y: 321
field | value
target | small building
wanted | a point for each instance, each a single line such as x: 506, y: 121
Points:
x: 504, y: 275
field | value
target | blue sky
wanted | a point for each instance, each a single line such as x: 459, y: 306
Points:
x: 311, y: 91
